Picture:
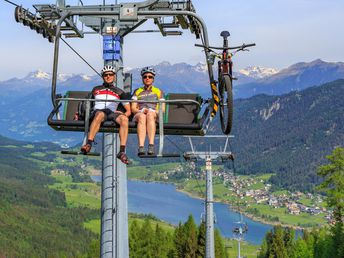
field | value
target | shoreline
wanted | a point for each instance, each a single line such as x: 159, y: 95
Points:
x: 246, y: 214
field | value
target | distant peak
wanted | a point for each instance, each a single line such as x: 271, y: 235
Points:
x: 86, y: 77
x: 201, y: 67
x: 258, y: 72
x: 317, y: 61
x: 305, y: 65
x: 39, y: 74
x: 164, y: 63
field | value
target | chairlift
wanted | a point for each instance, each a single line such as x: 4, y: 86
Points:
x: 187, y: 114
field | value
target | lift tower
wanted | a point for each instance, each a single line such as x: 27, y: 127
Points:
x: 209, y: 157
x: 113, y: 22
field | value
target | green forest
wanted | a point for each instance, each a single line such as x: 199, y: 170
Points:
x: 36, y: 221
x: 319, y: 243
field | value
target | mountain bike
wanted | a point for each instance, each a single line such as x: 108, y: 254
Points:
x: 225, y: 78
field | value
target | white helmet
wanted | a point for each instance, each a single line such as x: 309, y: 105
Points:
x: 108, y: 68
x: 147, y: 70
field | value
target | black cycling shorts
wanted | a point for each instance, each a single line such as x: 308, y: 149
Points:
x: 109, y: 114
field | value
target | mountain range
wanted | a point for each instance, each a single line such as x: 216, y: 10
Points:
x: 288, y: 134
x: 25, y: 103
x: 296, y: 77
x: 180, y: 77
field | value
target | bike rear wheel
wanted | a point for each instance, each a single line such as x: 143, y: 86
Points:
x: 226, y: 104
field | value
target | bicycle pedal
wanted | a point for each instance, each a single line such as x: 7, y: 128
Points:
x: 234, y: 78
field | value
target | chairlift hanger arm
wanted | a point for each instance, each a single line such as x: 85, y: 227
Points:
x: 144, y: 14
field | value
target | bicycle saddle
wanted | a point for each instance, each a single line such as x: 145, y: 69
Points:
x: 225, y: 34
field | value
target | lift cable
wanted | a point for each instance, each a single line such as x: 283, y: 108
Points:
x: 234, y: 174
x: 193, y: 171
x: 181, y: 151
x: 80, y: 56
x: 12, y: 3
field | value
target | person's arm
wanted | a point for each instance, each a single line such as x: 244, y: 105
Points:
x: 134, y: 107
x: 91, y: 96
x: 127, y: 112
x: 126, y: 105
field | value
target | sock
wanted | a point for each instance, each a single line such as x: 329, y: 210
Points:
x: 122, y: 148
x: 90, y: 142
x: 150, y: 144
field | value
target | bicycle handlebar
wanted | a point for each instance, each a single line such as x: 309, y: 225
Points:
x: 243, y: 46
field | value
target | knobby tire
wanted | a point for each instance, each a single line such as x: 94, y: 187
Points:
x: 226, y: 104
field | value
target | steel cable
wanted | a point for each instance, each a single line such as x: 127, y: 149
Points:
x: 80, y: 56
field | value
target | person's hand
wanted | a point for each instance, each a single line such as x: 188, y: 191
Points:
x: 76, y: 116
x: 121, y: 113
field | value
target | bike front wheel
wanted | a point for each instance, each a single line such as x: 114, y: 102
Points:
x: 226, y: 104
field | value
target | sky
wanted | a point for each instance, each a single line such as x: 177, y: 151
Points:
x: 286, y: 32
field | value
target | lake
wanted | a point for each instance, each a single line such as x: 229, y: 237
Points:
x: 166, y: 203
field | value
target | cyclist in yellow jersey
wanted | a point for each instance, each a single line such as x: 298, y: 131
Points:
x: 146, y: 114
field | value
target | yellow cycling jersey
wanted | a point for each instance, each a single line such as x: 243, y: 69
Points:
x: 150, y: 94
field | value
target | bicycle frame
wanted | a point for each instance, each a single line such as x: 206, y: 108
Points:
x: 225, y: 63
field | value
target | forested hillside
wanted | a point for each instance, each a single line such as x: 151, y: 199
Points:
x: 37, y: 220
x: 290, y: 134
x: 326, y: 242
x: 34, y: 220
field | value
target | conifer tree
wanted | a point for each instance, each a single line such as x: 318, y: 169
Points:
x: 301, y: 250
x: 220, y: 251
x: 278, y: 246
x: 333, y: 186
x: 289, y: 236
x: 190, y: 229
x: 162, y: 242
x: 134, y: 239
x: 146, y: 240
x: 201, y: 240
x: 179, y: 240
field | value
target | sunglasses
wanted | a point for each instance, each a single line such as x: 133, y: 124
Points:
x: 148, y: 76
x: 108, y: 74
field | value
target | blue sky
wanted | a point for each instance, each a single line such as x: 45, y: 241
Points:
x: 286, y: 32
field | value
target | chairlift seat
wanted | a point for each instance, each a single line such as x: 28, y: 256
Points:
x: 179, y: 118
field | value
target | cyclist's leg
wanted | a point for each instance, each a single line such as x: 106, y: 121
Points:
x: 140, y: 118
x: 123, y: 122
x: 151, y: 126
x: 99, y: 117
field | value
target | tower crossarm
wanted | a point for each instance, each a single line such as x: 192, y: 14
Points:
x: 124, y: 17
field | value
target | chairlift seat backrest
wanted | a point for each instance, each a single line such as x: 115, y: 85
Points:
x: 71, y: 107
x: 179, y: 118
x: 182, y: 113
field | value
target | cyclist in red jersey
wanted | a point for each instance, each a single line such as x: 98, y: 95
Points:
x: 107, y: 111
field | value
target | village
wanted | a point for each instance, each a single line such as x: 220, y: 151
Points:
x: 256, y: 190
x: 294, y: 202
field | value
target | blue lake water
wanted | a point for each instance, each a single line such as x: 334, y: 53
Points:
x: 166, y: 203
